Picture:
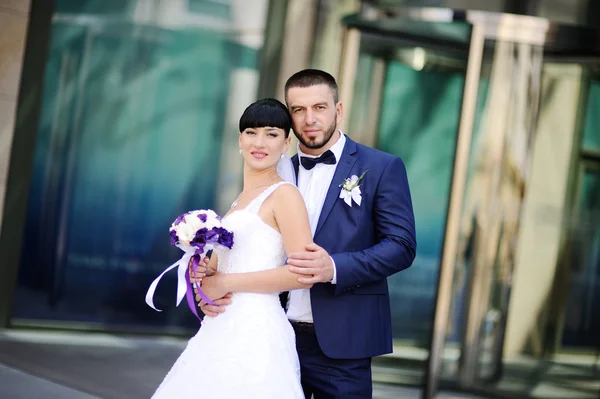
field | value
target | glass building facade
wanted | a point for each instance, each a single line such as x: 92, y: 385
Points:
x: 132, y: 133
x: 138, y: 124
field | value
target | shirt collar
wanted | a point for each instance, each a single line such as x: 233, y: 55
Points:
x: 337, y: 148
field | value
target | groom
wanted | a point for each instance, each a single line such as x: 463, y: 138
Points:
x: 361, y: 216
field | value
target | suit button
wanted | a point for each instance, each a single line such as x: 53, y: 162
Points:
x: 358, y: 286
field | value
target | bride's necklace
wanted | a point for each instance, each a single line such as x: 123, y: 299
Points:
x: 242, y: 193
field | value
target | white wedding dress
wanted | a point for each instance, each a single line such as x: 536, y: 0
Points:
x: 249, y: 351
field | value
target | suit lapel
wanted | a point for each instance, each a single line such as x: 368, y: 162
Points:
x: 296, y: 163
x: 344, y: 166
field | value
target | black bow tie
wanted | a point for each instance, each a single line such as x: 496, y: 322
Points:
x: 327, y: 158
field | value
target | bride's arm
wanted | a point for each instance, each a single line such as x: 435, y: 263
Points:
x: 291, y: 217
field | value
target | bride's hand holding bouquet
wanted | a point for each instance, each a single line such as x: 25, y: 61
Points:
x: 195, y: 233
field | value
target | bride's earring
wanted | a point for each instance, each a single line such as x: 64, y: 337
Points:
x: 282, y: 155
x: 240, y: 151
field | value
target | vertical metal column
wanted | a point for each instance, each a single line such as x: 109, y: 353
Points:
x: 347, y: 72
x: 592, y: 13
x: 457, y: 193
x: 271, y: 53
x: 22, y: 152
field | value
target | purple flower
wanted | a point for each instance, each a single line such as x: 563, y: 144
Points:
x: 212, y: 235
x: 202, y: 217
x: 174, y: 238
x: 179, y: 219
x: 199, y: 240
x: 225, y: 237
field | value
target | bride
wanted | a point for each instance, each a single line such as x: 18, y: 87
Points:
x: 249, y: 351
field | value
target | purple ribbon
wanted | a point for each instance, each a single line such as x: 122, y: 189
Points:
x: 189, y: 294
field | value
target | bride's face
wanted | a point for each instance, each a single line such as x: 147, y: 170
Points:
x: 262, y: 147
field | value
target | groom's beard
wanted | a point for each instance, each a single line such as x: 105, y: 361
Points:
x: 315, y: 144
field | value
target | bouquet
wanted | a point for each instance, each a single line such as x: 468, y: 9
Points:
x: 195, y: 233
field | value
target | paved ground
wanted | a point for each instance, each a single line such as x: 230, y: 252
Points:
x: 15, y: 384
x: 100, y: 366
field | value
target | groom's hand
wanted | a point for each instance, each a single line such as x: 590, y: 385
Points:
x: 213, y: 311
x: 315, y: 264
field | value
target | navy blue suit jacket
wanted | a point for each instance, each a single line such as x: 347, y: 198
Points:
x: 368, y: 243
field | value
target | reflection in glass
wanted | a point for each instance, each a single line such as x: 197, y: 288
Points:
x: 529, y: 294
x: 516, y: 282
x: 582, y: 323
x: 569, y: 363
x: 133, y: 128
x: 499, y: 166
x: 406, y: 101
x: 419, y: 121
x: 591, y: 133
x: 417, y: 106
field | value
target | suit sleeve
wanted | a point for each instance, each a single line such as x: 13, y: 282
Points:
x: 395, y: 234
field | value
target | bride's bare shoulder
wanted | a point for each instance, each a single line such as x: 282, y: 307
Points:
x: 286, y: 191
x: 286, y: 197
x: 286, y: 194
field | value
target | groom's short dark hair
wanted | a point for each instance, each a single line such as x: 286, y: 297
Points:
x: 312, y: 77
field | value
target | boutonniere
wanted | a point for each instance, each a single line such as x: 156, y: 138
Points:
x: 351, y: 189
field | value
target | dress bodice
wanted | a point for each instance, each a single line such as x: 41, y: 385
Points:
x: 256, y: 245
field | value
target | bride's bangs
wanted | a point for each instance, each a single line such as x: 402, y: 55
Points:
x: 266, y: 113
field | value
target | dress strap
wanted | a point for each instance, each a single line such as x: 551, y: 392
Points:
x: 256, y: 203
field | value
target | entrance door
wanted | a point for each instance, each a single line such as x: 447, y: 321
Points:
x: 406, y: 100
x: 487, y: 122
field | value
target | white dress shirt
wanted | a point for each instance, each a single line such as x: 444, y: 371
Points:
x: 313, y: 185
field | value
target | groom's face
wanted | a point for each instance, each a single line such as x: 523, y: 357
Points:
x: 315, y: 116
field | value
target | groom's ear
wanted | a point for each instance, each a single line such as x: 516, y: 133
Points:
x: 339, y: 108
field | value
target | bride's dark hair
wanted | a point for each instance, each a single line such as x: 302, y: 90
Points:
x: 267, y: 112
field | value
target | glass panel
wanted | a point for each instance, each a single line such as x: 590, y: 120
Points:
x: 591, y: 132
x: 582, y: 322
x: 419, y: 122
x: 491, y: 233
x: 91, y: 7
x: 406, y: 102
x: 573, y: 364
x: 551, y: 335
x: 527, y: 277
x: 134, y: 128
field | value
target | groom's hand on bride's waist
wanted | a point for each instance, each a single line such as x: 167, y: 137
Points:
x: 315, y: 265
x: 213, y: 311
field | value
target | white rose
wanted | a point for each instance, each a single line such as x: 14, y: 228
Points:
x: 185, y: 232
x: 212, y: 222
x: 193, y: 221
x: 211, y: 214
